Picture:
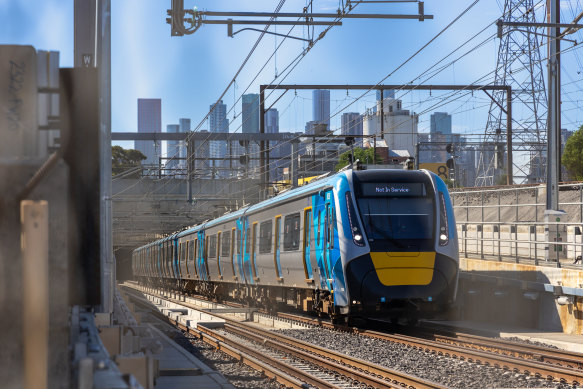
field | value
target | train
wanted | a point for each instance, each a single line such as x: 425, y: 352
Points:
x: 357, y: 243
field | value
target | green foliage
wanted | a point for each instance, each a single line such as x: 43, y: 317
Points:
x: 366, y: 156
x: 573, y: 155
x: 123, y: 160
x: 448, y: 182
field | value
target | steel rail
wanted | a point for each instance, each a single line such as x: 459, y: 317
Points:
x: 505, y: 347
x: 322, y: 363
x: 544, y: 369
x: 359, y: 370
x: 561, y: 374
x: 284, y: 374
x: 355, y: 368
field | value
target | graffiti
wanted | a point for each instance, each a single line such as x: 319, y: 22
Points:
x: 14, y: 108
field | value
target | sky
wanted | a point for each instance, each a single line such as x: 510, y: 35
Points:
x: 189, y: 73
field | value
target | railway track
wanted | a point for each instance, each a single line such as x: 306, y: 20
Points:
x: 559, y: 365
x: 292, y: 362
x: 533, y: 352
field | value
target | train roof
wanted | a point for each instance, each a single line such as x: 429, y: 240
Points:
x: 313, y: 186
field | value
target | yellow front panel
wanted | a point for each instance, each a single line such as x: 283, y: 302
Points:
x: 404, y: 268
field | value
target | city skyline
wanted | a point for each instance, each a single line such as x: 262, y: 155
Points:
x: 149, y: 120
x: 143, y: 45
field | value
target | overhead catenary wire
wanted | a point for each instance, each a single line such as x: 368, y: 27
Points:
x: 381, y: 81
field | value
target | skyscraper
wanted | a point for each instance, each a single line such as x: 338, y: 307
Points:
x: 272, y: 121
x: 441, y: 122
x: 250, y: 113
x: 149, y: 120
x: 218, y: 122
x: 321, y: 106
x: 176, y: 149
x: 172, y: 148
x: 351, y: 123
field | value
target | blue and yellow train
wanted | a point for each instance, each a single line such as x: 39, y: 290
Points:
x: 357, y: 243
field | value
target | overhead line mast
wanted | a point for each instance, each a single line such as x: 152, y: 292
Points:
x: 180, y: 17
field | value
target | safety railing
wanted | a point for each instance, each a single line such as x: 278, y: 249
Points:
x: 521, y: 241
x: 508, y: 223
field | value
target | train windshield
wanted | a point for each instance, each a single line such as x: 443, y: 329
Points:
x: 397, y: 216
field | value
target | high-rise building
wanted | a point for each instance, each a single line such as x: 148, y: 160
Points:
x: 172, y: 148
x: 218, y: 122
x: 351, y: 123
x: 441, y: 122
x: 176, y: 149
x: 250, y: 113
x: 272, y: 121
x: 321, y: 106
x: 149, y: 120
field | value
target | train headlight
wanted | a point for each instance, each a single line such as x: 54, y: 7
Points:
x: 354, y: 225
x: 443, y: 222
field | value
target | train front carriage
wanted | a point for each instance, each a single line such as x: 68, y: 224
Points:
x: 411, y: 265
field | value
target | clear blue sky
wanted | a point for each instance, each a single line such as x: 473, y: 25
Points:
x: 189, y: 73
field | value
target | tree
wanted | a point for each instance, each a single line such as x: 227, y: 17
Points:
x: 573, y: 155
x: 366, y: 156
x: 123, y: 160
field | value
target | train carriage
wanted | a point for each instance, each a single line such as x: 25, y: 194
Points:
x: 358, y: 243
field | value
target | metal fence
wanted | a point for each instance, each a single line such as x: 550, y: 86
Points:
x: 508, y: 223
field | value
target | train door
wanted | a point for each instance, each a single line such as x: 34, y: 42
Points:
x: 192, y: 258
x: 254, y: 252
x: 276, y: 248
x: 241, y: 234
x: 166, y: 260
x: 195, y: 258
x: 307, y: 244
x: 332, y: 251
x: 201, y: 256
x: 321, y: 239
x: 176, y: 253
x: 172, y: 259
x: 219, y: 247
x: 234, y: 245
x: 247, y: 266
x: 206, y: 257
x: 163, y: 259
x: 182, y: 259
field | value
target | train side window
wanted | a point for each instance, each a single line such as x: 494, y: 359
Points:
x: 248, y: 240
x: 265, y: 229
x: 212, y: 253
x: 331, y: 226
x: 291, y: 232
x: 225, y: 244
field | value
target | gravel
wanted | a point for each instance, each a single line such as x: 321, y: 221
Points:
x: 441, y: 369
x: 238, y: 374
x: 530, y: 342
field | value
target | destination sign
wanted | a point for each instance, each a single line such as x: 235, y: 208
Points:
x: 408, y: 189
